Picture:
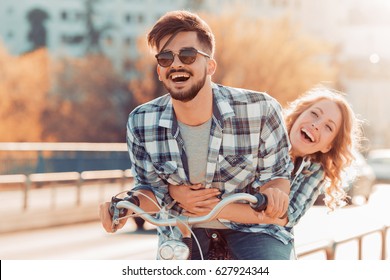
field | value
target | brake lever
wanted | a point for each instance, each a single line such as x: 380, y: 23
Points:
x: 116, y: 213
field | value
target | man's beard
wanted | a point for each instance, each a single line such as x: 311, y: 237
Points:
x: 185, y: 96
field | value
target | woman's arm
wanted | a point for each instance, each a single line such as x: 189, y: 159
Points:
x: 304, y: 192
x: 197, y: 201
x: 243, y: 213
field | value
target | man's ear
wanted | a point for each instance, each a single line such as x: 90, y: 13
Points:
x: 158, y: 72
x: 211, y: 66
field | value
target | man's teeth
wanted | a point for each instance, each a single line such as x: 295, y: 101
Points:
x: 308, y: 134
x: 180, y: 77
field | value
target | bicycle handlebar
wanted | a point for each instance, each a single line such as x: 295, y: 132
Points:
x: 257, y: 202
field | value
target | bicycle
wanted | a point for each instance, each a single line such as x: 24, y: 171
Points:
x: 180, y: 248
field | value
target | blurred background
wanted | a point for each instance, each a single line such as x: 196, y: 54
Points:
x: 72, y: 70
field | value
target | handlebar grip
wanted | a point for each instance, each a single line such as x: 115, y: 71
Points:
x: 122, y: 211
x: 262, y: 202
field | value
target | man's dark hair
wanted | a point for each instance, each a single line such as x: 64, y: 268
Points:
x: 181, y: 21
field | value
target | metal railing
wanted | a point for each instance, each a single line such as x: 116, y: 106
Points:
x: 78, y: 179
x: 329, y: 247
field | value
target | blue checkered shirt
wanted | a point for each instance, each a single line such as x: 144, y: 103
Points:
x: 307, y: 183
x: 248, y: 146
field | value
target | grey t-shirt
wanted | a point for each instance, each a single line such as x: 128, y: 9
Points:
x: 196, y: 143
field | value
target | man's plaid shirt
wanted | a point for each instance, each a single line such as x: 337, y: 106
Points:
x: 248, y: 146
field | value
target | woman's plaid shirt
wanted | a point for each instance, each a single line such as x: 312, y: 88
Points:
x: 248, y: 145
x: 307, y: 183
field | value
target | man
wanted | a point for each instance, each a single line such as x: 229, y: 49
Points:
x: 210, y: 138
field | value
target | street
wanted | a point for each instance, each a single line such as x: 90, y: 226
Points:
x: 88, y: 241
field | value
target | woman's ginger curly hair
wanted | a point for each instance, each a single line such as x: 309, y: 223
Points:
x: 347, y: 139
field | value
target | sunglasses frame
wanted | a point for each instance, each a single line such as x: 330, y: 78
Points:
x: 196, y: 51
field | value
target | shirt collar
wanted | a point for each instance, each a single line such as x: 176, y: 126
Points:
x: 222, y: 110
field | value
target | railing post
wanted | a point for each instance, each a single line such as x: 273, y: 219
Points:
x: 27, y: 187
x: 53, y: 188
x: 384, y: 243
x: 123, y: 181
x: 360, y: 247
x: 79, y: 183
x: 330, y: 251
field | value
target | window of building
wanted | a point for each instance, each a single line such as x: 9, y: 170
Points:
x: 64, y: 15
x: 128, y: 41
x: 128, y: 18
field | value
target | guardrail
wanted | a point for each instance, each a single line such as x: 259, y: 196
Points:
x: 75, y: 178
x: 329, y: 247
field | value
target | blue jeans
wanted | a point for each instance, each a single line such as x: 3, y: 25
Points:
x: 245, y: 245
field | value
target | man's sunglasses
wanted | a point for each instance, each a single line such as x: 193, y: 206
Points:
x: 186, y: 55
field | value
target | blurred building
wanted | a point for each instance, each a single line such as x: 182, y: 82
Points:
x: 360, y: 30
x: 75, y: 27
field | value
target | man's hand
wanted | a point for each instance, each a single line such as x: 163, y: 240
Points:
x: 195, y: 199
x: 106, y: 219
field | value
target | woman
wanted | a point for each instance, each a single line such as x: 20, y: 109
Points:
x: 323, y: 130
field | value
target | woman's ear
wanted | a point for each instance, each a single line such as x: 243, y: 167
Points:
x: 326, y: 149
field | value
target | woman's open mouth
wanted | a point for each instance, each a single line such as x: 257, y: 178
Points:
x: 306, y: 134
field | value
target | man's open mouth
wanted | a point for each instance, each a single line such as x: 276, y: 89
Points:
x: 180, y: 77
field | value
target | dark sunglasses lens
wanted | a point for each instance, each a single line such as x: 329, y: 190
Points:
x: 187, y: 56
x: 165, y: 59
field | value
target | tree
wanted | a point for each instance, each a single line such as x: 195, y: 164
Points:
x: 88, y: 102
x: 38, y: 33
x: 94, y: 33
x: 272, y: 56
x: 24, y: 84
x: 145, y: 86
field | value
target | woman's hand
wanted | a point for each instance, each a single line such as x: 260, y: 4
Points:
x: 277, y: 202
x: 194, y: 199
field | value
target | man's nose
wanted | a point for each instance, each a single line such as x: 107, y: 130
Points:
x: 176, y: 60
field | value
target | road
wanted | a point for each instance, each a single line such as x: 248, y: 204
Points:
x: 88, y: 241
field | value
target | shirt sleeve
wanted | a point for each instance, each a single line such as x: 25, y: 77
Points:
x: 145, y: 176
x: 274, y: 159
x: 303, y: 194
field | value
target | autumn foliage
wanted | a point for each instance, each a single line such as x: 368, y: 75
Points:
x: 86, y: 99
x: 268, y: 55
x: 24, y: 85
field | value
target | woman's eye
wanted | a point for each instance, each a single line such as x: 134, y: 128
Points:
x: 314, y: 113
x: 329, y: 128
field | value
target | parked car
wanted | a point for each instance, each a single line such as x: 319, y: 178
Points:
x: 379, y: 160
x: 358, y: 182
